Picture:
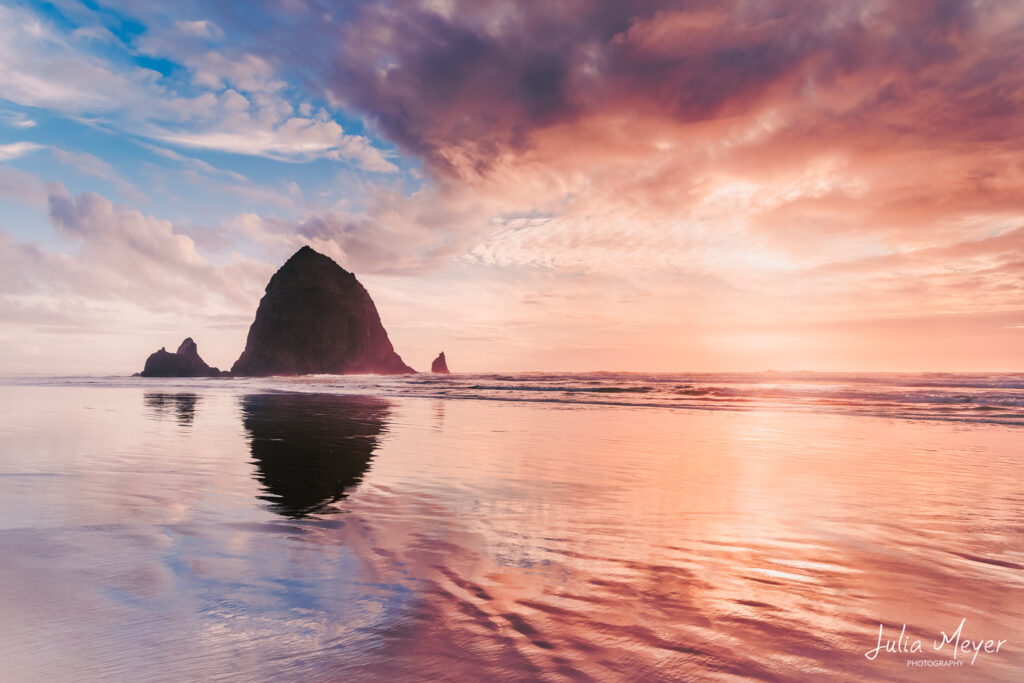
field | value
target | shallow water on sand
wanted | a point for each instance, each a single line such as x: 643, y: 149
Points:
x: 148, y: 532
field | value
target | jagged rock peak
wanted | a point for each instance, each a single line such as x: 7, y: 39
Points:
x: 184, y: 363
x: 440, y: 365
x: 316, y: 318
x: 188, y: 348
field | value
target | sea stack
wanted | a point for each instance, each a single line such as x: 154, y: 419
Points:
x: 316, y: 318
x: 183, y: 363
x: 440, y: 366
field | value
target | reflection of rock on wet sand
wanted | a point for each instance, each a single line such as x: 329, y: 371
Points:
x: 310, y: 448
x: 184, y: 405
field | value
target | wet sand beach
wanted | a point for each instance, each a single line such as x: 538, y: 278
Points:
x: 225, y: 531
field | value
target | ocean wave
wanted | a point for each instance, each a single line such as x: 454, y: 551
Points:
x: 566, y: 389
x: 993, y: 398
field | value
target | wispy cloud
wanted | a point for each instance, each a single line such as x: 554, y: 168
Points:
x: 14, y: 150
x: 16, y: 119
x: 92, y: 165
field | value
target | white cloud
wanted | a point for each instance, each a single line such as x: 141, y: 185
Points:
x: 249, y: 115
x: 39, y: 68
x: 15, y: 150
x: 120, y: 256
x: 102, y: 225
x: 247, y: 72
x: 359, y: 149
x: 16, y: 120
x: 200, y: 29
x: 294, y: 139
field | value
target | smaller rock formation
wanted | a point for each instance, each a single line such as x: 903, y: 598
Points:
x: 439, y: 365
x: 184, y: 363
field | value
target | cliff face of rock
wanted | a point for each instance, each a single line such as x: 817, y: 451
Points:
x: 316, y: 318
x: 183, y: 363
x: 440, y: 365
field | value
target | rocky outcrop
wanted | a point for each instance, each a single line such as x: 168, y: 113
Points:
x: 185, y: 362
x: 316, y: 318
x: 439, y: 365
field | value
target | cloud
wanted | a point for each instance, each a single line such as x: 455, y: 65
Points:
x: 220, y: 182
x: 199, y: 28
x: 85, y: 163
x: 609, y: 138
x: 359, y: 149
x: 390, y: 234
x: 130, y: 281
x: 118, y: 255
x: 24, y: 188
x: 196, y: 164
x: 746, y: 166
x: 265, y: 126
x: 17, y: 119
x: 15, y: 150
x: 42, y: 67
x: 730, y: 140
x: 92, y: 165
x: 97, y: 33
x: 465, y: 87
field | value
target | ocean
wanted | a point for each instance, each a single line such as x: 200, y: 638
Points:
x: 598, y: 526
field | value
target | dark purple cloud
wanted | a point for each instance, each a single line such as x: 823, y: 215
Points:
x: 460, y: 83
x: 482, y: 78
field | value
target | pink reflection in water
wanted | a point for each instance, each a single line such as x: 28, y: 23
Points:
x: 482, y: 539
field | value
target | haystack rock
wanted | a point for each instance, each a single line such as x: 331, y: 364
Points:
x: 439, y: 365
x: 316, y: 318
x: 184, y: 363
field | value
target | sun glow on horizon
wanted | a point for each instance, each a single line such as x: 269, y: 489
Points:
x: 641, y: 188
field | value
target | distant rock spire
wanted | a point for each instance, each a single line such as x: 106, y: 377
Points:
x: 440, y: 365
x: 188, y: 348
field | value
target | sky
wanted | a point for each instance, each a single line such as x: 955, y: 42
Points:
x: 645, y: 186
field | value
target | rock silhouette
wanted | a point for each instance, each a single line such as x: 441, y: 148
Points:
x: 183, y: 363
x: 182, y: 405
x: 310, y: 449
x: 317, y: 318
x: 440, y: 365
